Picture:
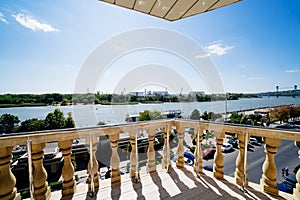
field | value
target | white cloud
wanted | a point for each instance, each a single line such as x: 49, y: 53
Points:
x: 255, y: 78
x: 292, y: 70
x: 218, y: 49
x: 2, y: 18
x: 29, y: 22
x: 202, y: 56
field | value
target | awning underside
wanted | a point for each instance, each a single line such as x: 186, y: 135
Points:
x: 172, y: 9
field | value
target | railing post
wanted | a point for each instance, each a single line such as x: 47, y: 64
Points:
x: 8, y: 180
x: 296, y: 192
x: 133, y: 157
x: 219, y: 158
x: 268, y: 180
x: 69, y: 185
x: 93, y: 180
x: 151, y: 167
x: 180, y: 150
x: 239, y: 170
x: 41, y: 189
x: 166, y: 163
x: 115, y: 160
x: 198, y: 151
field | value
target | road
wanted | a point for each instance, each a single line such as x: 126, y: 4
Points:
x: 287, y: 156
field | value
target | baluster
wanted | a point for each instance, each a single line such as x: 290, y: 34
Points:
x: 133, y: 157
x: 166, y: 163
x: 41, y: 189
x: 93, y: 165
x: 219, y: 158
x: 115, y: 160
x: 198, y: 151
x: 151, y: 167
x: 268, y: 180
x: 296, y: 193
x: 239, y: 170
x: 69, y: 185
x: 8, y: 180
x: 180, y: 150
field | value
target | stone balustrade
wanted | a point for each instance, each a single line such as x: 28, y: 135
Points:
x: 272, y: 139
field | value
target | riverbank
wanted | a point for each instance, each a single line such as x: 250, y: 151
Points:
x: 22, y: 105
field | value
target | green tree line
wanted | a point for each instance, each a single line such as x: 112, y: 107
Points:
x: 66, y: 99
x: 54, y: 120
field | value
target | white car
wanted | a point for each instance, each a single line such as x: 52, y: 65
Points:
x: 227, y: 147
x: 254, y: 141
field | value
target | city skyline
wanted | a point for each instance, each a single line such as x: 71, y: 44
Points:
x: 254, y: 45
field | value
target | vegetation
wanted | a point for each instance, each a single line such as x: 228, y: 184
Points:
x: 54, y: 120
x: 150, y: 115
x: 211, y: 116
x: 8, y: 123
x: 251, y: 119
x: 13, y: 100
x: 195, y: 114
x: 283, y: 113
x: 101, y: 123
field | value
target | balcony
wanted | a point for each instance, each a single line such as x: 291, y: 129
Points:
x: 165, y: 180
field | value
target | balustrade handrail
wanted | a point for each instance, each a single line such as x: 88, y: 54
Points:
x: 14, y: 139
x: 64, y: 137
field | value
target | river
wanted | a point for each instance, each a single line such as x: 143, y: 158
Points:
x: 89, y: 115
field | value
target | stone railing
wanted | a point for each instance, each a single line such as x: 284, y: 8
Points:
x: 272, y: 139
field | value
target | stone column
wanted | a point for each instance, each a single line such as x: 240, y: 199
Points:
x: 41, y: 189
x: 7, y: 179
x: 239, y: 170
x: 115, y: 160
x: 133, y: 160
x: 93, y: 170
x: 268, y: 180
x: 198, y: 151
x: 166, y: 162
x: 296, y: 193
x: 69, y: 185
x: 151, y: 167
x: 219, y: 158
x: 180, y: 151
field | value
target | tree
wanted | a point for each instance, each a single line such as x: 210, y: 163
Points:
x: 55, y: 120
x: 148, y: 115
x: 8, y: 123
x: 144, y: 116
x: 235, y: 118
x: 205, y: 116
x: 32, y: 125
x: 69, y: 121
x: 195, y: 114
x: 281, y: 113
x: 101, y: 123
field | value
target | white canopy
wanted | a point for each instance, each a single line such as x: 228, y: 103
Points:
x: 172, y: 9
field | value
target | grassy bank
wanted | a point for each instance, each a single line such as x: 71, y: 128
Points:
x: 22, y: 105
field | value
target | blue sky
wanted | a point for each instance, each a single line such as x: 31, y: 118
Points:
x: 254, y: 44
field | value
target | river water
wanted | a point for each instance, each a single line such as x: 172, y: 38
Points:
x: 89, y: 115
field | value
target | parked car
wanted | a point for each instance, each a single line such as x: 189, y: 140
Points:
x: 253, y: 141
x: 208, y: 153
x: 296, y: 169
x: 234, y: 143
x: 288, y: 184
x: 208, y: 168
x: 286, y: 126
x: 227, y: 147
x: 188, y: 158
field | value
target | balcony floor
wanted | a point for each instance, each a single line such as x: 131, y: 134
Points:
x: 177, y: 184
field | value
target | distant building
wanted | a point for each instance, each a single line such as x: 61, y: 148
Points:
x: 161, y: 93
x: 137, y: 94
x: 194, y: 93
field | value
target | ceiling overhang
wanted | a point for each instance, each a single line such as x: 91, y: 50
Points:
x: 172, y: 9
